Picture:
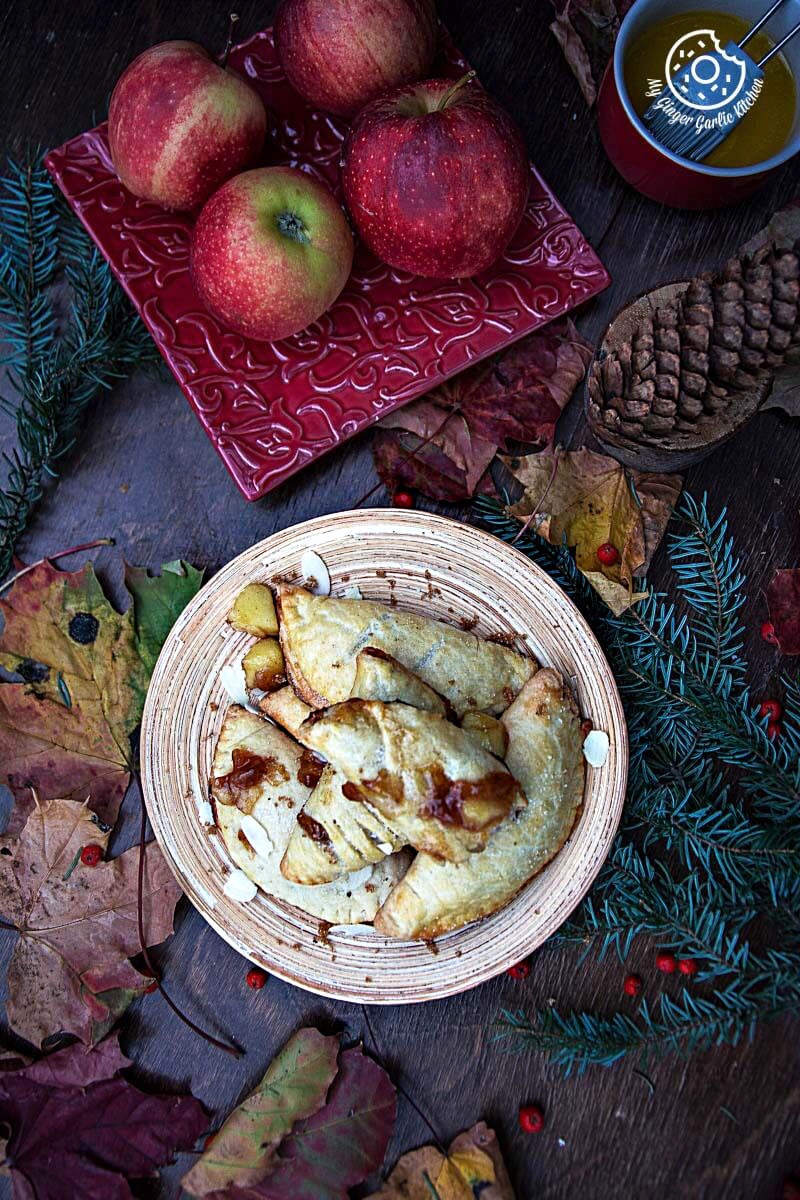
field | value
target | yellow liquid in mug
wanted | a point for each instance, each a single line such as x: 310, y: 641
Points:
x: 765, y: 129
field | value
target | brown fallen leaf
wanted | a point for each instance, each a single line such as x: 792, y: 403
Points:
x: 65, y: 730
x: 473, y: 1167
x: 585, y: 499
x: 77, y: 924
x: 586, y: 31
x: 430, y: 451
x: 783, y: 599
x: 443, y: 444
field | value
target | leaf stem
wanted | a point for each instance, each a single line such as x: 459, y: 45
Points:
x: 229, y: 1048
x: 106, y: 541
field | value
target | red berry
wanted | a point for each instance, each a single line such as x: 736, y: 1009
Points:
x: 256, y: 978
x: 768, y: 633
x: 91, y: 855
x: 520, y: 970
x: 607, y: 554
x: 666, y: 962
x: 687, y: 966
x: 531, y: 1119
x: 153, y: 987
x: 632, y: 985
x: 586, y: 728
x: 773, y: 730
x: 772, y: 709
x: 403, y: 500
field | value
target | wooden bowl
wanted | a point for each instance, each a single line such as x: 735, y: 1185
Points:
x: 430, y: 565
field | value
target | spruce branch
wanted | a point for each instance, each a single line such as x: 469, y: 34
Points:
x: 56, y: 374
x: 707, y: 860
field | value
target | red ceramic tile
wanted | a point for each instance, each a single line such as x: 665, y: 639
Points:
x: 271, y: 408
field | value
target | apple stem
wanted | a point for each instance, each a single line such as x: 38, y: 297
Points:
x: 291, y: 226
x: 451, y: 91
x: 229, y: 43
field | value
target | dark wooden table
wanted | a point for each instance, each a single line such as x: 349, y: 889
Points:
x: 724, y: 1123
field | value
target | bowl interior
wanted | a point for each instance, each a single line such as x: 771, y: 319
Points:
x: 433, y: 566
x: 646, y: 12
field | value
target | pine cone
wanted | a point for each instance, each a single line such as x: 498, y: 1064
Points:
x: 690, y: 366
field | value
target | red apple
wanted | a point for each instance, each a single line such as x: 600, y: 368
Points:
x: 179, y: 125
x: 340, y: 54
x: 436, y: 178
x: 271, y: 251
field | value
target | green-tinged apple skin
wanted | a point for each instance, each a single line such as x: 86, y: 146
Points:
x: 179, y: 125
x: 340, y: 54
x: 271, y: 251
x: 436, y: 178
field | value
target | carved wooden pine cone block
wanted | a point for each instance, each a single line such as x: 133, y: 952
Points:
x: 683, y: 367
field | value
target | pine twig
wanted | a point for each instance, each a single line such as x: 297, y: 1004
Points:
x: 56, y: 375
x: 710, y: 839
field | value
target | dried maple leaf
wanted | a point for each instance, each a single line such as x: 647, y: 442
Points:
x: 584, y: 500
x: 442, y: 444
x: 472, y: 1167
x: 783, y: 598
x: 65, y: 731
x: 446, y: 466
x: 77, y: 925
x: 76, y: 1128
x: 295, y: 1085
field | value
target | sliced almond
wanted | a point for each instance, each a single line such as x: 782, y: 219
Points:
x: 316, y: 574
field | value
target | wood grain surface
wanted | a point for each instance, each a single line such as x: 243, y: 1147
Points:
x: 725, y: 1123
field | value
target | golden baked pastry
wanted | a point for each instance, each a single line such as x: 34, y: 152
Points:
x: 321, y: 637
x: 545, y: 755
x: 333, y: 835
x: 258, y: 790
x: 436, y: 786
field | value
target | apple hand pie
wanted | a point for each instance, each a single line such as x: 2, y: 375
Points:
x: 433, y: 783
x: 544, y: 753
x: 333, y: 835
x: 321, y: 637
x: 258, y: 791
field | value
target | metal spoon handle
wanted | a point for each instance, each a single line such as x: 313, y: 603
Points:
x: 781, y: 43
x: 755, y: 28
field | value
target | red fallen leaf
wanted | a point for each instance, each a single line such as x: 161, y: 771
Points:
x: 65, y: 731
x: 76, y: 1128
x: 77, y: 925
x: 783, y: 598
x: 443, y: 444
x: 335, y: 1149
x: 586, y: 31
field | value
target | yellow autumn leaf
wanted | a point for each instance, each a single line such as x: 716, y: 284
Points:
x: 473, y: 1165
x: 585, y: 500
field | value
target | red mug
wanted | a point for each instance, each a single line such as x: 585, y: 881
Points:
x: 646, y: 164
